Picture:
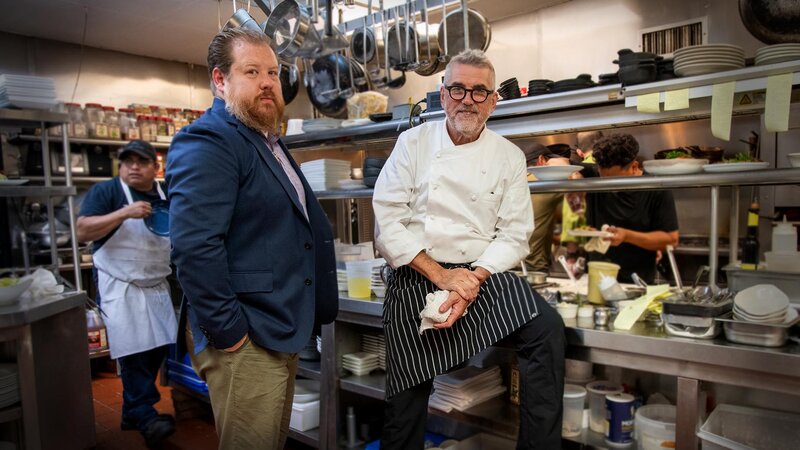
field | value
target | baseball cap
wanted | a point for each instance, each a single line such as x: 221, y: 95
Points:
x: 534, y: 150
x: 141, y: 148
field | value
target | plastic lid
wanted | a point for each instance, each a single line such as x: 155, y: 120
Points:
x: 94, y: 105
x: 620, y: 398
x: 604, y: 387
x: 126, y: 110
x: 785, y: 227
x: 108, y: 108
x: 606, y: 281
x: 574, y: 391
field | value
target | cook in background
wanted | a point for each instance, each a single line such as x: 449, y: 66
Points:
x: 546, y: 209
x: 132, y: 264
x: 453, y: 213
x: 252, y: 247
x: 643, y: 222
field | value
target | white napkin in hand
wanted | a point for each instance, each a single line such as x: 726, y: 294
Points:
x: 598, y: 244
x: 44, y: 284
x: 430, y: 313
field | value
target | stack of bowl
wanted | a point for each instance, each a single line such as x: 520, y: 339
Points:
x: 539, y: 87
x: 636, y: 67
x: 665, y: 69
x: 582, y: 81
x: 372, y: 168
x: 509, y: 89
x: 773, y: 54
x: 608, y: 78
x: 764, y: 304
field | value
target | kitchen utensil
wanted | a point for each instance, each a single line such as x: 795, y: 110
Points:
x: 536, y: 277
x: 674, y: 266
x: 292, y: 32
x: 602, y: 314
x: 322, y: 87
x: 638, y: 280
x: 764, y: 335
x: 454, y: 36
x: 290, y: 79
x: 563, y: 260
x: 242, y: 19
x: 771, y: 21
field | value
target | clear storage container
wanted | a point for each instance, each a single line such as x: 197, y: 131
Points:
x: 743, y: 428
x: 95, y: 121
x: 655, y: 427
x: 77, y: 120
x: 112, y: 122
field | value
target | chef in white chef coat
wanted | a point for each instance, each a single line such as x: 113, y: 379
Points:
x: 127, y: 220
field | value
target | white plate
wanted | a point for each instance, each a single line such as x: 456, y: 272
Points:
x: 306, y: 391
x: 735, y: 167
x: 16, y: 182
x: 547, y: 173
x: 589, y: 233
x: 680, y: 166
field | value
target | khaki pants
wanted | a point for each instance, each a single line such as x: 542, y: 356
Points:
x: 251, y: 393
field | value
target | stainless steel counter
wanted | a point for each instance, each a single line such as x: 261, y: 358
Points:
x: 27, y: 312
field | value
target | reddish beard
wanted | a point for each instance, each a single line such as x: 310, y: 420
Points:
x: 263, y: 117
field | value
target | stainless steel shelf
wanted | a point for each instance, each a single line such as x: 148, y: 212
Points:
x: 74, y: 140
x: 372, y: 385
x: 31, y: 117
x: 36, y: 191
x: 751, y: 178
x: 309, y: 437
x: 343, y: 194
x: 100, y: 354
x: 388, y: 129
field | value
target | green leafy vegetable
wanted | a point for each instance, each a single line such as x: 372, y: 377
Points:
x: 6, y: 282
x: 675, y: 154
x: 739, y: 157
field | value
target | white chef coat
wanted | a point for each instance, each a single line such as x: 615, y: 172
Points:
x: 460, y: 204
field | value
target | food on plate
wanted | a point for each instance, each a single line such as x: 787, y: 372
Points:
x: 676, y: 154
x: 6, y: 282
x: 740, y: 157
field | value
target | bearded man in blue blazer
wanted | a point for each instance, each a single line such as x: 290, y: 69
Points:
x: 252, y: 246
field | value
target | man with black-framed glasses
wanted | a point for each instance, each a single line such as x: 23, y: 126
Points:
x: 453, y: 213
x: 124, y: 217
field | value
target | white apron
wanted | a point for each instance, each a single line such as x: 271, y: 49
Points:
x: 132, y: 267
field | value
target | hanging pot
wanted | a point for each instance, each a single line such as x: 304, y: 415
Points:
x: 290, y: 28
x: 771, y: 21
x: 480, y: 33
x: 363, y: 46
x: 322, y: 88
x: 404, y: 57
x: 290, y: 80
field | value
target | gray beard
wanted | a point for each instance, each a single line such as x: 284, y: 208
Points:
x: 264, y: 123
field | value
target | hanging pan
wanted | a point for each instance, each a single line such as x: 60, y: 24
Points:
x: 322, y: 87
x: 479, y: 32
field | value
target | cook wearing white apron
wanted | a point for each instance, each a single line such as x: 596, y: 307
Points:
x: 132, y: 267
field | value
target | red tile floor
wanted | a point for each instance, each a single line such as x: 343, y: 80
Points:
x: 195, y: 433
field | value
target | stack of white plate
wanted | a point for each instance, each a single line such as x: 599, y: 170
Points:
x: 341, y: 279
x: 9, y: 385
x: 22, y: 91
x: 376, y: 282
x: 305, y: 391
x: 464, y: 388
x: 324, y: 174
x: 375, y: 343
x: 321, y: 124
x: 763, y: 303
x: 360, y: 363
x: 709, y: 58
x: 772, y: 54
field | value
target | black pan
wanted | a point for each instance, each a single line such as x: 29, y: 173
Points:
x: 290, y: 81
x: 321, y: 85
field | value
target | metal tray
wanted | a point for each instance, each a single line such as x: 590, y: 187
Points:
x: 764, y: 335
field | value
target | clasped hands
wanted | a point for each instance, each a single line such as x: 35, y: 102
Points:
x: 464, y: 286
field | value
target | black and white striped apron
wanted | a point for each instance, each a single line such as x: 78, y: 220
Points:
x: 505, y: 302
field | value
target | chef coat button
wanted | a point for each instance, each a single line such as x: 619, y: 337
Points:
x: 483, y: 171
x: 307, y: 246
x: 474, y: 197
x: 463, y: 252
x: 432, y: 217
x: 308, y: 281
x: 435, y: 186
x: 439, y: 155
x: 430, y: 249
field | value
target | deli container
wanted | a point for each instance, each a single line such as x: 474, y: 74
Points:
x: 742, y: 428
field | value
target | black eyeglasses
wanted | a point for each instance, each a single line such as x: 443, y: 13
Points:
x: 478, y: 95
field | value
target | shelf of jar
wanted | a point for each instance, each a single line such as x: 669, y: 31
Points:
x: 89, y: 141
x: 308, y: 437
x: 78, y: 179
x: 37, y: 191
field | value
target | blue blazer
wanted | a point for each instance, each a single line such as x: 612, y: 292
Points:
x: 247, y: 258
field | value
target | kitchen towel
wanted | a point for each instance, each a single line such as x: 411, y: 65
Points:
x: 430, y: 314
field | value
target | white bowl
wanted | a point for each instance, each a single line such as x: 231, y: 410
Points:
x: 10, y: 294
x: 567, y: 310
x: 761, y: 300
x: 794, y: 159
x: 678, y: 166
x: 548, y: 173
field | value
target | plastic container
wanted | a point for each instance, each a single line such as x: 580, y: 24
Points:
x: 784, y: 237
x: 575, y: 369
x: 655, y: 427
x: 77, y: 121
x: 742, y: 428
x: 96, y: 328
x: 358, y: 278
x: 619, y: 419
x: 597, y: 402
x: 305, y: 416
x: 567, y: 310
x: 597, y: 268
x: 111, y: 118
x: 610, y: 289
x: 572, y: 424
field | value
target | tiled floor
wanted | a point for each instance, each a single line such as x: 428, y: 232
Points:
x: 191, y: 433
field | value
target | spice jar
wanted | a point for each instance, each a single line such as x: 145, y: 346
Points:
x: 127, y: 124
x: 95, y: 120
x: 144, y: 127
x: 112, y: 122
x: 77, y: 120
